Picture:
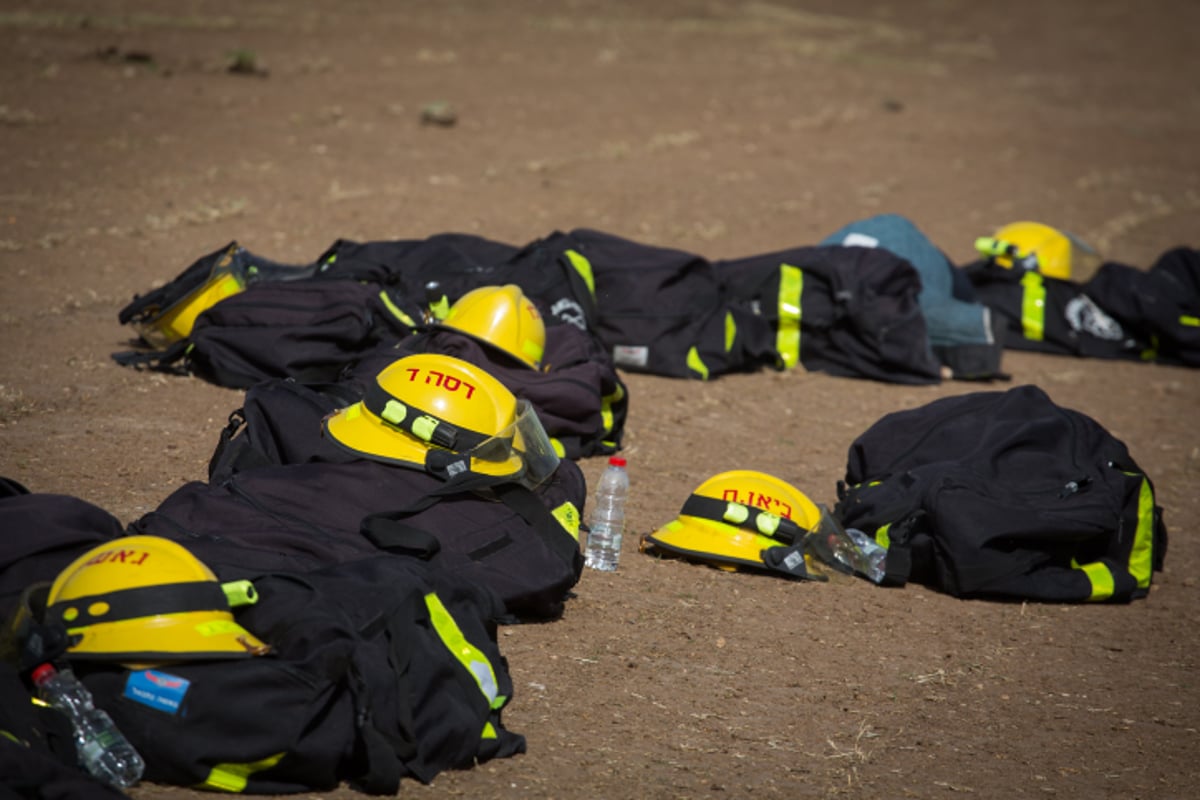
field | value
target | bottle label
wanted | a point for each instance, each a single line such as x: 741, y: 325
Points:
x: 159, y: 690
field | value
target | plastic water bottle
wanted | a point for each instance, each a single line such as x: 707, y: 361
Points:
x: 102, y: 749
x: 606, y: 523
x: 870, y: 556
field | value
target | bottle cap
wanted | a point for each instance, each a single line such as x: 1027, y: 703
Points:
x: 617, y: 461
x: 43, y: 672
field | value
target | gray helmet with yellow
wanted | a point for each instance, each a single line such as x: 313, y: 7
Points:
x: 741, y: 519
x: 448, y: 417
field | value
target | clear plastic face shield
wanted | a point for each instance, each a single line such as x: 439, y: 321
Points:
x: 845, y: 549
x: 525, y: 439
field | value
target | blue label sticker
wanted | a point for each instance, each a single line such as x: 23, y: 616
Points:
x: 157, y: 689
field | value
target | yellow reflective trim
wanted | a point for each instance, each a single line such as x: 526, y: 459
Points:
x: 1151, y: 352
x: 471, y: 657
x: 1100, y: 577
x: 559, y: 450
x: 1141, y: 557
x: 584, y: 268
x: 533, y: 351
x: 440, y: 308
x: 695, y: 364
x: 606, y: 413
x: 233, y: 777
x: 606, y: 407
x: 882, y: 538
x: 1033, y: 306
x: 730, y: 331
x: 568, y: 516
x: 1190, y: 321
x: 489, y: 731
x: 9, y: 735
x: 218, y: 627
x: 396, y: 311
x: 787, y: 336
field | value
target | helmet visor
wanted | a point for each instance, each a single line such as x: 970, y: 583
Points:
x: 833, y: 545
x: 175, y: 322
x: 524, y: 439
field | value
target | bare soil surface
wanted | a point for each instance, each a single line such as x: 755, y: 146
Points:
x: 718, y: 127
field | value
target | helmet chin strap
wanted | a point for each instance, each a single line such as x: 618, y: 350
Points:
x: 790, y: 561
x: 455, y: 470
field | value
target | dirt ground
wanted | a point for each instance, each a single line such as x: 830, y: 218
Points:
x: 718, y: 127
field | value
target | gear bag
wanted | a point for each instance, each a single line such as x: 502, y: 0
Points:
x: 662, y: 311
x: 380, y: 670
x: 849, y: 311
x: 1050, y: 315
x: 1005, y: 495
x: 1159, y: 306
x: 437, y: 271
x: 281, y: 496
x: 304, y: 329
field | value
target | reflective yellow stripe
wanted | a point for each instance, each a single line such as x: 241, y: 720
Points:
x: 730, y: 331
x: 489, y: 732
x: 606, y: 413
x: 472, y: 659
x: 1100, y: 577
x: 568, y: 516
x: 1033, y: 306
x: 695, y: 364
x: 396, y: 310
x: 1151, y: 352
x: 787, y: 336
x: 1190, y: 321
x: 233, y: 777
x: 440, y: 308
x: 606, y: 407
x: 584, y: 268
x: 1141, y: 557
x: 881, y: 536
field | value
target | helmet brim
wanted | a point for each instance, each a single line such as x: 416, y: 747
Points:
x: 700, y: 539
x: 188, y: 636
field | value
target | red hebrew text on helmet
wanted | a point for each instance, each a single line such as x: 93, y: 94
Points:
x: 447, y: 382
x: 758, y: 500
x: 134, y: 558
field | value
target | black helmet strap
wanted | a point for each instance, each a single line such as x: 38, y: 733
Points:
x: 420, y: 424
x: 749, y: 518
x: 142, y: 601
